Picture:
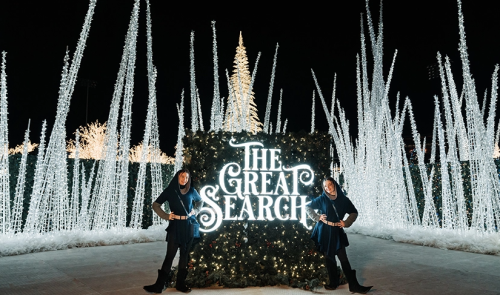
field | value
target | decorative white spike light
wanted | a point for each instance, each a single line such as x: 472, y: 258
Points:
x: 17, y: 209
x: 269, y: 96
x: 192, y: 82
x: 313, y: 113
x: 75, y: 190
x: 180, y: 135
x: 4, y: 154
x: 216, y: 118
x: 278, y: 118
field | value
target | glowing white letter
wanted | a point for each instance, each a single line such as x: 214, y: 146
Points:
x: 233, y: 173
x: 247, y: 207
x: 208, y: 193
x: 249, y: 182
x: 256, y: 158
x: 274, y: 159
x: 247, y: 146
x: 229, y: 206
x: 281, y: 183
x: 309, y: 173
x: 268, y: 214
x: 277, y: 207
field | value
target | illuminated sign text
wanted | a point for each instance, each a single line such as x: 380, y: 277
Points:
x: 252, y: 184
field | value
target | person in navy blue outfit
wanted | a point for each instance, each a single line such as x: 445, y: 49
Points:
x: 328, y: 233
x: 185, y: 203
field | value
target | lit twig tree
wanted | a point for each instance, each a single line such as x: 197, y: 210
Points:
x: 18, y: 149
x: 92, y: 138
x: 154, y: 155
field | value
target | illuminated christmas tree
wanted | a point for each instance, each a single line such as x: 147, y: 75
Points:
x: 244, y: 112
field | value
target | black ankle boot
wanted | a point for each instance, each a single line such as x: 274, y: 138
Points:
x: 354, y: 286
x: 180, y: 284
x: 160, y: 284
x: 330, y: 287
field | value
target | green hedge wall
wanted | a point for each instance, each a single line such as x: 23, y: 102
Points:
x: 14, y: 165
x: 256, y: 253
x: 437, y: 186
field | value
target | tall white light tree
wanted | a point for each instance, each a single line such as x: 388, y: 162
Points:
x: 4, y: 154
x: 278, y: 118
x: 270, y: 94
x: 106, y: 176
x: 32, y: 224
x: 180, y: 135
x: 53, y: 191
x: 17, y: 209
x: 149, y: 139
x: 110, y: 192
x: 75, y: 190
x: 192, y: 82
x: 125, y: 128
x: 313, y: 113
x: 156, y: 174
x: 217, y: 115
x: 480, y: 144
x: 375, y: 161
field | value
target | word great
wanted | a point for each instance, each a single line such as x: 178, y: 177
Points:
x: 237, y: 182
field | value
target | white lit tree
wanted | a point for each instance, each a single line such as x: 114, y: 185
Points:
x: 4, y: 156
x: 17, y: 209
x: 244, y: 112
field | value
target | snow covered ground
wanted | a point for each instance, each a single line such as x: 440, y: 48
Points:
x: 28, y: 243
x: 469, y: 241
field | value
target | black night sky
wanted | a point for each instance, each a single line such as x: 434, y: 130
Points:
x: 325, y: 38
